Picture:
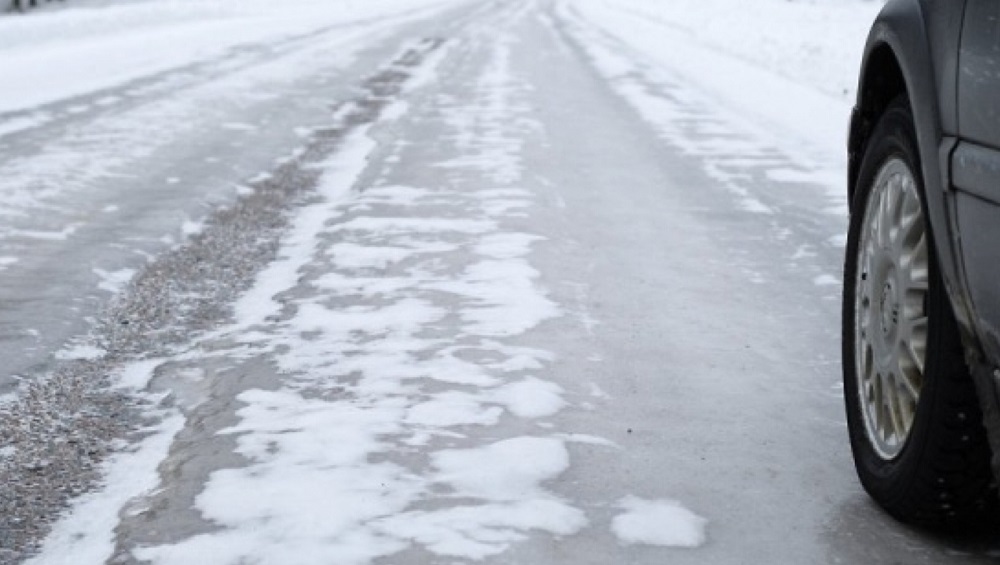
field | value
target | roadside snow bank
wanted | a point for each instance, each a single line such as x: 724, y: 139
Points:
x: 782, y: 65
x: 812, y: 42
x: 58, y: 54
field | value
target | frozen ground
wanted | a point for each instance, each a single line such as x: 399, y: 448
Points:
x: 539, y: 281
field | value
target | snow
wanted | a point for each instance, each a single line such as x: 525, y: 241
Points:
x: 801, y: 78
x: 60, y: 54
x: 113, y: 281
x: 506, y: 473
x: 816, y: 43
x: 80, y: 351
x: 791, y: 91
x: 503, y: 307
x: 60, y: 235
x: 417, y: 225
x: 87, y: 534
x: 506, y: 470
x: 531, y: 398
x: 453, y: 408
x: 827, y: 280
x: 255, y: 306
x: 252, y: 50
x: 353, y: 256
x: 658, y: 522
x: 476, y: 533
x: 137, y: 375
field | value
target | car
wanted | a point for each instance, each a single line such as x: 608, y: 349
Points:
x: 921, y: 299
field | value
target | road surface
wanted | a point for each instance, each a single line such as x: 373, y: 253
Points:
x: 495, y: 288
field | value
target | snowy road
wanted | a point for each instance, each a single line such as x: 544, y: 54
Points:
x: 518, y: 291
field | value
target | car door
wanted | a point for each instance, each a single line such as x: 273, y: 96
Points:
x: 975, y: 164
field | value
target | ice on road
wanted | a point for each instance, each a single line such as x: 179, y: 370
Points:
x: 501, y: 282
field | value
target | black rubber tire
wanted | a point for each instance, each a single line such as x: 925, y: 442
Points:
x: 942, y: 476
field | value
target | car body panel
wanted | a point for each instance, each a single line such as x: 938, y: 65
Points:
x: 978, y: 77
x: 976, y: 167
x: 944, y: 67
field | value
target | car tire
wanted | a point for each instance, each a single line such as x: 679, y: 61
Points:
x: 913, y: 417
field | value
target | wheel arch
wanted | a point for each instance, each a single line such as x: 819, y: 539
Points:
x: 880, y: 83
x: 912, y: 49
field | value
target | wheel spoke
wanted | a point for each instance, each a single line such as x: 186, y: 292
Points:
x: 916, y: 355
x: 883, y: 225
x: 895, y: 405
x: 880, y: 408
x: 867, y: 366
x: 911, y: 377
x: 918, y: 329
x: 910, y: 219
x: 916, y: 262
x: 896, y: 196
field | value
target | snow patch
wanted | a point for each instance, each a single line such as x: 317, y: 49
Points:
x: 531, y: 398
x: 353, y: 256
x: 61, y: 235
x: 827, y: 280
x: 190, y: 228
x: 506, y: 470
x: 114, y: 281
x: 658, y: 522
x: 137, y: 375
x: 81, y: 353
x: 301, y: 244
x: 477, y: 532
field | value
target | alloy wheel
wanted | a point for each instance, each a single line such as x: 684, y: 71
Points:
x: 891, y: 308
